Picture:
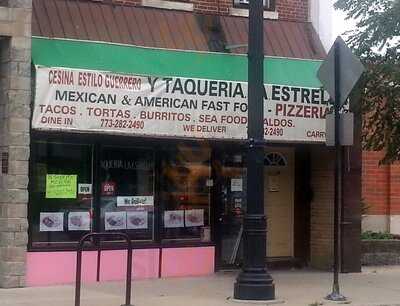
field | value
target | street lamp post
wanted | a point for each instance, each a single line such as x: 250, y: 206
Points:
x: 254, y: 281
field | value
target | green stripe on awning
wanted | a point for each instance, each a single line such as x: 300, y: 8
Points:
x: 163, y: 62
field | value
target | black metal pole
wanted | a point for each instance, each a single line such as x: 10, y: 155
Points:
x: 98, y: 261
x: 128, y: 274
x: 98, y: 237
x: 335, y: 294
x: 254, y: 281
x: 78, y: 275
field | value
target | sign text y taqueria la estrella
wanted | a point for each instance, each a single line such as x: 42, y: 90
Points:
x: 94, y: 101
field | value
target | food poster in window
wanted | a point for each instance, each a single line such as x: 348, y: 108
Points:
x: 137, y: 219
x: 51, y: 222
x: 174, y: 218
x: 115, y: 220
x: 79, y: 221
x: 194, y: 217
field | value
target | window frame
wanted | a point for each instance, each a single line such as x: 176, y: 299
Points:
x: 98, y: 183
x: 49, y: 245
x: 162, y: 206
x: 97, y: 141
x: 270, y: 8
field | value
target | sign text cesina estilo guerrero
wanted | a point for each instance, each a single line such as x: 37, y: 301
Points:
x: 94, y: 101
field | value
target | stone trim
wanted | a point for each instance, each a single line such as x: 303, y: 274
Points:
x: 168, y: 5
x: 242, y: 12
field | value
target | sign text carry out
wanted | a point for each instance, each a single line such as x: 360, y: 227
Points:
x: 93, y: 101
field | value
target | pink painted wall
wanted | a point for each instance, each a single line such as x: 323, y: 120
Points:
x: 187, y: 261
x: 54, y: 268
x: 113, y: 264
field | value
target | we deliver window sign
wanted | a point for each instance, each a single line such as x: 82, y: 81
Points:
x: 94, y: 101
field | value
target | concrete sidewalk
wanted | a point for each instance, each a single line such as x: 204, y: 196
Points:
x: 374, y: 286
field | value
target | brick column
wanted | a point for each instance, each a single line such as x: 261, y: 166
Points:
x: 321, y: 208
x: 15, y: 97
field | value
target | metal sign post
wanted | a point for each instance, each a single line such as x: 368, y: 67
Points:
x: 338, y: 82
x: 335, y: 295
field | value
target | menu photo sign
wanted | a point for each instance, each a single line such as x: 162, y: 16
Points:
x: 95, y: 101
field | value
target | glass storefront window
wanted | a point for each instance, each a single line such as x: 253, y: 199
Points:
x: 127, y: 191
x: 77, y: 188
x: 61, y: 201
x: 185, y: 194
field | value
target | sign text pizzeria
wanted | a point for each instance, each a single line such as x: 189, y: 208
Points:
x: 94, y: 101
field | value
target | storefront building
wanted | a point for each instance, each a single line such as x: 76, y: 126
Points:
x: 138, y: 125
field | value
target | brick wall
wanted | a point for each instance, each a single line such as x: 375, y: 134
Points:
x: 375, y: 183
x: 321, y: 208
x: 211, y: 6
x: 15, y: 82
x: 294, y: 10
x: 394, y: 195
x: 381, y: 185
x: 380, y: 193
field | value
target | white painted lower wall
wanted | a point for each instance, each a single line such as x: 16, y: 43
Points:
x: 395, y: 224
x: 381, y: 223
x: 375, y: 223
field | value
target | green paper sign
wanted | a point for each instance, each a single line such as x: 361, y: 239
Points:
x: 60, y: 186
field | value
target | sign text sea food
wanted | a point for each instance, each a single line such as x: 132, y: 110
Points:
x: 81, y: 100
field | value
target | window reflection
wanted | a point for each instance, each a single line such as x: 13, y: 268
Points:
x: 127, y: 191
x: 185, y: 193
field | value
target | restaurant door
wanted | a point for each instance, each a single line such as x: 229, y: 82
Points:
x: 232, y: 204
x: 279, y: 201
x: 230, y: 208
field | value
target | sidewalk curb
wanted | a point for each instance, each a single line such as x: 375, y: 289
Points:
x: 350, y: 303
x: 267, y: 302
